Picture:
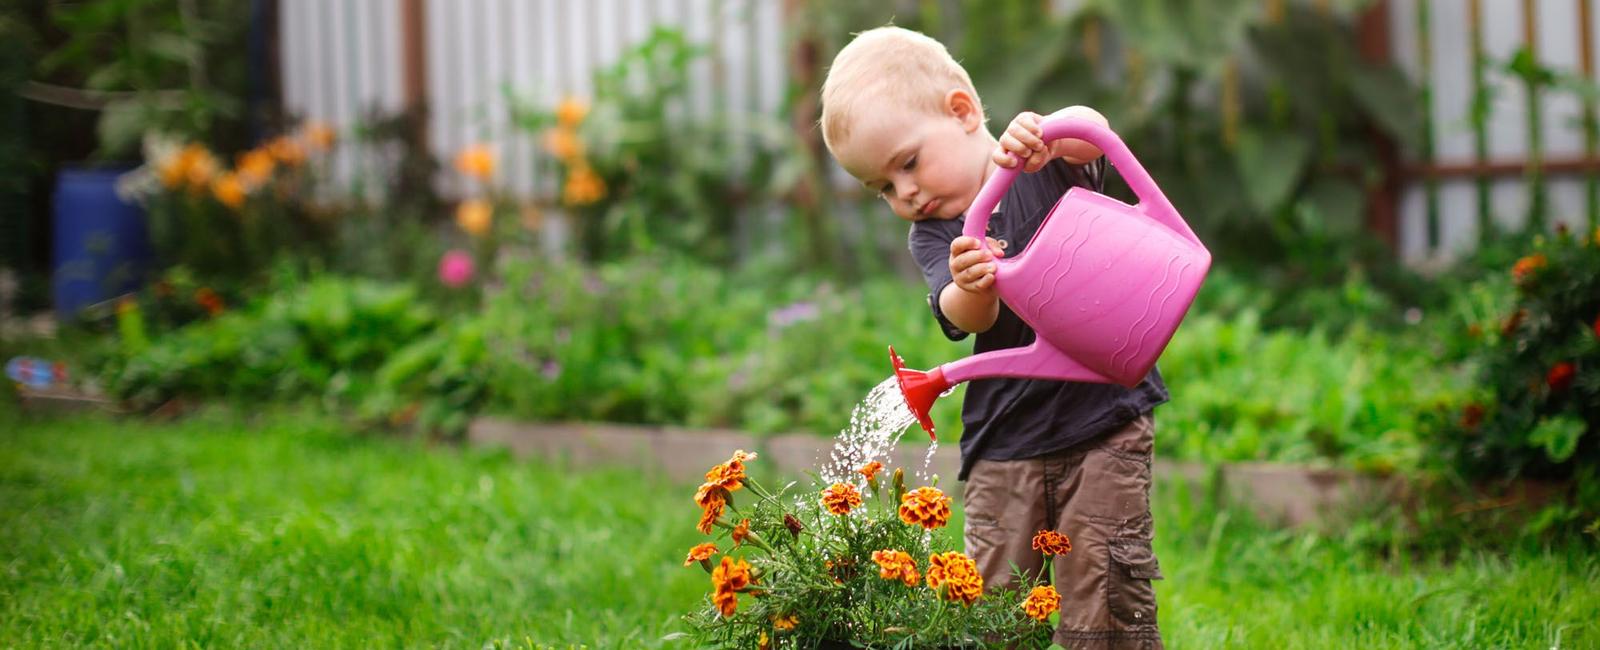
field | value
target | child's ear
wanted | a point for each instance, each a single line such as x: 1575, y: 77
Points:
x: 961, y: 105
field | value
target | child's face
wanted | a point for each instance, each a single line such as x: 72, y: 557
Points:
x: 926, y: 166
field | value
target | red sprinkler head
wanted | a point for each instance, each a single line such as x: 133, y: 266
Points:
x: 920, y: 390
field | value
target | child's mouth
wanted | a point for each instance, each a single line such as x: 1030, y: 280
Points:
x: 929, y: 207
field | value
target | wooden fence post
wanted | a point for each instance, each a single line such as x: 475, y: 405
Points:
x: 1383, y: 197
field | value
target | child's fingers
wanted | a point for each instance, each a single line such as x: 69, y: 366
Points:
x: 1003, y: 158
x: 962, y: 244
x: 996, y: 248
x: 1029, y: 134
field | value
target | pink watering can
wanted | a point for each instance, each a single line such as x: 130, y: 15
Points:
x: 1104, y: 284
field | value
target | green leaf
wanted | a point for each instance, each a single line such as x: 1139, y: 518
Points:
x: 1559, y: 436
x: 1271, y: 164
x: 1391, y: 101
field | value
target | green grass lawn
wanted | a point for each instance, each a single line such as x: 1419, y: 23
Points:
x: 292, y: 532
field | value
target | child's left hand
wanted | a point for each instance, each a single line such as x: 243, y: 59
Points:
x: 1025, y: 138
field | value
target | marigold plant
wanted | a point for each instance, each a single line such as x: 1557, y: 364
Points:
x: 799, y: 570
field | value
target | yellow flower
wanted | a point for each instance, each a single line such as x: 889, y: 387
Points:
x: 475, y: 216
x: 229, y: 191
x: 784, y: 623
x: 287, y: 150
x: 571, y: 111
x: 896, y: 565
x: 1042, y: 602
x: 563, y: 143
x: 764, y: 643
x: 255, y: 167
x: 840, y: 498
x: 926, y: 507
x: 700, y: 553
x: 1051, y: 542
x: 476, y: 161
x: 583, y: 187
x: 955, y: 576
x: 319, y: 135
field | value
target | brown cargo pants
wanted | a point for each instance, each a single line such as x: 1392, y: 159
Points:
x: 1098, y: 495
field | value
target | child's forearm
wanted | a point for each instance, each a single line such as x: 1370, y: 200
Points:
x: 972, y: 312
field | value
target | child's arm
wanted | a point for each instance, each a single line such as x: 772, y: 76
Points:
x: 1026, y: 138
x: 969, y: 301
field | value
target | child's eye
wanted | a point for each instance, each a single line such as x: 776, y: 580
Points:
x: 886, y: 190
x: 911, y: 163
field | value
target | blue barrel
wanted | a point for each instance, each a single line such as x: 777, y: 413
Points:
x: 101, y: 246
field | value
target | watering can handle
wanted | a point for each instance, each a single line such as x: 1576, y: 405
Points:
x: 1152, y: 202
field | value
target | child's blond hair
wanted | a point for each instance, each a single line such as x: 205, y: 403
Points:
x: 888, y: 63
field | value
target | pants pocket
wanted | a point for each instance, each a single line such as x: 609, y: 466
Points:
x: 1129, y: 595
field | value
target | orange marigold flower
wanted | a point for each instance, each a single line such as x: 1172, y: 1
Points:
x: 1051, y: 542
x: 1560, y: 377
x: 1525, y: 268
x: 840, y: 498
x: 319, y: 135
x: 741, y: 532
x: 564, y: 144
x: 583, y: 187
x: 870, y: 470
x: 764, y: 643
x: 174, y: 169
x: 896, y: 565
x: 926, y: 507
x: 700, y: 553
x: 571, y: 111
x: 476, y: 161
x: 475, y: 216
x: 785, y: 623
x: 287, y: 150
x: 255, y: 167
x: 229, y: 191
x: 1042, y: 602
x: 955, y: 576
x: 709, y: 515
x: 727, y: 580
x: 199, y: 169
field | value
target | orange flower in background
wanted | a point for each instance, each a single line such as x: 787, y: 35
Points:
x: 896, y: 565
x: 926, y: 507
x: 1472, y: 416
x: 1513, y: 322
x: 955, y: 576
x: 870, y: 470
x: 229, y: 190
x: 475, y: 216
x: 1560, y: 377
x: 287, y: 150
x: 1523, y: 271
x: 255, y: 167
x: 1042, y: 602
x: 741, y: 532
x: 785, y: 623
x: 208, y: 300
x: 563, y: 144
x: 200, y: 169
x: 840, y: 498
x: 583, y: 187
x: 700, y: 553
x: 1051, y: 542
x: 727, y: 580
x: 476, y: 161
x: 571, y: 111
x: 319, y: 135
x: 192, y: 162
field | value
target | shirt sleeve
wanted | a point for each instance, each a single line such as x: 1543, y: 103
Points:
x: 929, y: 242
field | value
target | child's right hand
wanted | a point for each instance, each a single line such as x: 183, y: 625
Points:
x: 971, y: 266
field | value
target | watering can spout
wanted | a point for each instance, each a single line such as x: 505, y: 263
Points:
x: 920, y: 390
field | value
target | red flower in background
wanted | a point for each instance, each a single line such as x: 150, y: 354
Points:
x: 1597, y: 325
x: 1472, y: 416
x: 1524, y: 269
x: 1513, y: 322
x: 1560, y: 377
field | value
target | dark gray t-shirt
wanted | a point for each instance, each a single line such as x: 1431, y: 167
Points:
x: 1010, y: 419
